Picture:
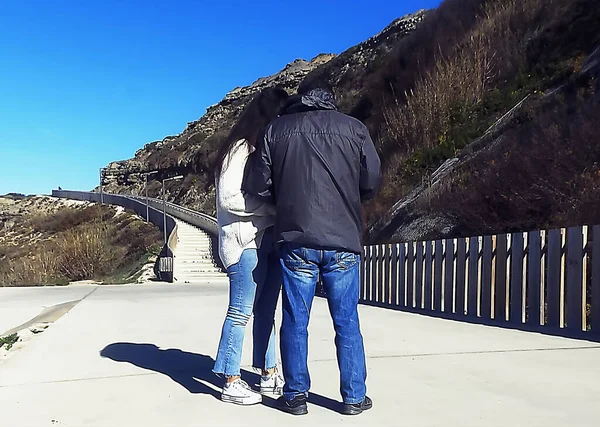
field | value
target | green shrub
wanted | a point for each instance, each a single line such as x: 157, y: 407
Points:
x: 8, y: 341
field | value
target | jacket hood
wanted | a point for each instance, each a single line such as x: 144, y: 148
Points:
x: 316, y: 99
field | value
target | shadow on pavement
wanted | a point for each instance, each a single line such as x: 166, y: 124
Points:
x: 187, y: 368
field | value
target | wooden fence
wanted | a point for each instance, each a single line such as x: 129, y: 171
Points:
x: 548, y: 279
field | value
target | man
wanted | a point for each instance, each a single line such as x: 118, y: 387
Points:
x: 317, y: 165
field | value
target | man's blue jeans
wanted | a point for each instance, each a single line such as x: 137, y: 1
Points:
x: 341, y: 279
x: 254, y: 286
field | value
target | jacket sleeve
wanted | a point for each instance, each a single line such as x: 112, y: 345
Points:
x: 370, y: 169
x: 258, y: 174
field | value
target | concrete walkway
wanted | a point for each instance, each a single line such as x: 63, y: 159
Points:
x: 142, y: 355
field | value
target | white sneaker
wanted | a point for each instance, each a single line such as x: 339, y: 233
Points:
x: 240, y: 393
x: 272, y: 384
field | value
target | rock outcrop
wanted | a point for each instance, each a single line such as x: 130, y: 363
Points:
x: 179, y: 153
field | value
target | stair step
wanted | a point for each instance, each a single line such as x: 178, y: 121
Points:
x: 188, y: 273
x: 193, y: 257
x: 195, y: 262
x: 197, y: 267
x: 199, y: 275
x: 192, y: 248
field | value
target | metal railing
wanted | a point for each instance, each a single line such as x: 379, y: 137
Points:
x: 203, y: 221
x: 198, y: 219
x: 540, y: 280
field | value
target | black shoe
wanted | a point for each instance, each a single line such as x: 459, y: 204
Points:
x: 357, y: 408
x: 296, y: 406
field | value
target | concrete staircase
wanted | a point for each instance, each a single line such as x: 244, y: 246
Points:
x: 193, y: 261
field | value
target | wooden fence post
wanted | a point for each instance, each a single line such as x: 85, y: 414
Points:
x: 516, y: 278
x: 534, y: 277
x: 486, y: 278
x: 500, y: 279
x: 473, y: 284
x: 574, y: 289
x: 428, y: 278
x: 449, y: 277
x: 461, y: 263
x: 394, y: 282
x: 410, y: 273
x: 438, y: 276
x: 595, y: 318
x: 554, y: 278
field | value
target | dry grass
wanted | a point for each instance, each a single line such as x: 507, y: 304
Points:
x: 494, y: 48
x: 30, y: 269
x: 77, y: 244
x: 85, y: 252
x: 67, y: 219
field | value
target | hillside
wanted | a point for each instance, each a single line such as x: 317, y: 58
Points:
x: 191, y: 152
x: 45, y: 241
x: 501, y: 94
x: 511, y: 129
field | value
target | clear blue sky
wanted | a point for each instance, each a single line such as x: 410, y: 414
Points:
x: 83, y: 83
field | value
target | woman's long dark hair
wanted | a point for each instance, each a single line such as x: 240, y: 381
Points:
x: 251, y: 125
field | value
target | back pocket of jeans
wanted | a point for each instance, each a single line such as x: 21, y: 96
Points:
x: 346, y: 260
x: 293, y: 259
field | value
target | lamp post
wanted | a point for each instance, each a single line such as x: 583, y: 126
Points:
x: 165, y: 204
x: 101, y: 191
x: 146, y: 191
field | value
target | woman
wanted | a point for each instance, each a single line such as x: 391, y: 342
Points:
x: 246, y: 248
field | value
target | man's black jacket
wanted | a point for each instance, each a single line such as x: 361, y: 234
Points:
x: 316, y: 165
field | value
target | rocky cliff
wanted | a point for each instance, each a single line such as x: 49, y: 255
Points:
x: 191, y: 152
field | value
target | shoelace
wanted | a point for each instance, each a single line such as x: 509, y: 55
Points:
x: 244, y: 384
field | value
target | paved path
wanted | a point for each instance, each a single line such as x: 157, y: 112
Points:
x: 19, y: 305
x: 141, y: 356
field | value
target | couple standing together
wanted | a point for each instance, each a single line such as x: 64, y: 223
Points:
x: 290, y: 180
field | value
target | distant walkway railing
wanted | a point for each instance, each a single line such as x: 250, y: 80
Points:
x: 540, y: 280
x: 164, y: 264
x: 198, y: 219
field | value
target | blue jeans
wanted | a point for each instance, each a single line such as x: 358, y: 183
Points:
x: 254, y: 286
x: 340, y: 275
